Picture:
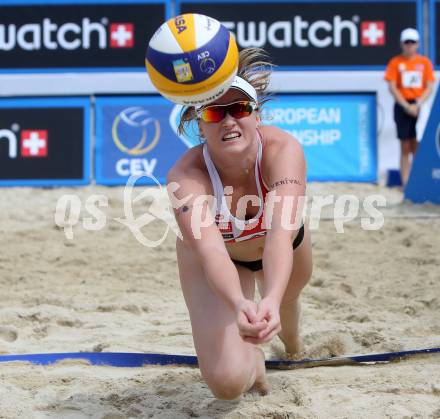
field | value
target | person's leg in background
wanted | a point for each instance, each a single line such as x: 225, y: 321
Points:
x: 406, y: 132
x: 405, y: 158
x: 414, y: 145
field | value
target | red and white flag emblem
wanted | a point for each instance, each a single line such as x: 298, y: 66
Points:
x: 373, y: 33
x: 34, y: 143
x: 121, y: 35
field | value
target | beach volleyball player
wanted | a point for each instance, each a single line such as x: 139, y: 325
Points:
x: 237, y: 200
x: 218, y: 269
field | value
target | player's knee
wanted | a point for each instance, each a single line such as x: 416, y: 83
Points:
x: 227, y: 383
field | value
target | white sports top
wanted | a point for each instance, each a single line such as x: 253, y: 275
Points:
x: 233, y: 229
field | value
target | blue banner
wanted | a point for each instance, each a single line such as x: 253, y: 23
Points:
x: 139, y: 135
x: 424, y: 181
x: 134, y: 136
x: 337, y: 132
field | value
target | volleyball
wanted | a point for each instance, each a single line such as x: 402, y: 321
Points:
x: 192, y: 59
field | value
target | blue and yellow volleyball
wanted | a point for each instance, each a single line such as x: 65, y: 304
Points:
x: 192, y: 59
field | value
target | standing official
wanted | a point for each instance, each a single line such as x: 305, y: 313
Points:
x: 410, y: 77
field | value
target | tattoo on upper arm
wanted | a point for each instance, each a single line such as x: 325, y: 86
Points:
x: 286, y: 181
x: 186, y: 208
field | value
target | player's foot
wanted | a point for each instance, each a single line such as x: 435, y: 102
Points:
x: 292, y: 346
x: 261, y: 386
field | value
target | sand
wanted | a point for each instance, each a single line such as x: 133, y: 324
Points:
x: 371, y: 291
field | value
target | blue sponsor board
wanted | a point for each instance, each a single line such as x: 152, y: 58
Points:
x: 139, y: 135
x: 135, y: 136
x: 337, y: 132
x: 424, y: 180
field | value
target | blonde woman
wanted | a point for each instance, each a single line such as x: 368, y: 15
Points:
x: 240, y: 164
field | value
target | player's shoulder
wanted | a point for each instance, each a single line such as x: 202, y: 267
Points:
x: 278, y: 141
x: 275, y: 135
x: 189, y: 166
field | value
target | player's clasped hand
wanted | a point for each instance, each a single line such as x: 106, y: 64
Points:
x: 248, y: 324
x: 258, y: 323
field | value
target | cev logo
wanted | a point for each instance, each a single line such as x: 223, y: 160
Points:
x: 207, y: 65
x: 138, y: 119
x: 135, y: 122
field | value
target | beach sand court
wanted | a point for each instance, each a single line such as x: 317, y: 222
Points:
x: 371, y: 291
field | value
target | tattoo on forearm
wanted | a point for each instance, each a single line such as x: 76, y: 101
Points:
x: 285, y: 181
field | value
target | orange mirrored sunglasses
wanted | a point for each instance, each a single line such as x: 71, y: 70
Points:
x: 216, y: 113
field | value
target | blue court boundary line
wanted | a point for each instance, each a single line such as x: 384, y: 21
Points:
x: 124, y: 359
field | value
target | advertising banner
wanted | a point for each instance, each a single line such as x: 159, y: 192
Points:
x: 424, y: 181
x: 44, y: 141
x: 337, y: 132
x: 317, y: 34
x: 135, y: 136
x: 138, y: 135
x: 81, y: 35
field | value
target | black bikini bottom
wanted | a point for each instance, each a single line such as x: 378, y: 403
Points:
x: 257, y: 265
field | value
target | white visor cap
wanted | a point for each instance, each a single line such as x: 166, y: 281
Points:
x: 244, y: 87
x: 409, y: 34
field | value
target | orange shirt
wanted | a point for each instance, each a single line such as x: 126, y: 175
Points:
x: 410, y: 74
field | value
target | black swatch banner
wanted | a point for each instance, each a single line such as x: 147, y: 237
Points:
x: 77, y: 36
x: 317, y: 34
x: 44, y: 141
